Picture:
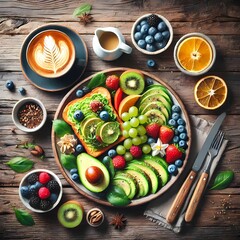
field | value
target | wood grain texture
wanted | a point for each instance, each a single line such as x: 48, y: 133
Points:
x: 218, y: 216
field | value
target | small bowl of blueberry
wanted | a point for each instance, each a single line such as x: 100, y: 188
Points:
x: 40, y: 190
x: 152, y: 34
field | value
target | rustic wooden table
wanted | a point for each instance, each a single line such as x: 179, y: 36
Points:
x: 218, y: 19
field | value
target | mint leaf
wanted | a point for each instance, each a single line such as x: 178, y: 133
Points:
x: 68, y: 161
x: 98, y: 80
x: 24, y: 217
x: 61, y: 128
x: 20, y: 164
x: 222, y: 180
x: 84, y: 8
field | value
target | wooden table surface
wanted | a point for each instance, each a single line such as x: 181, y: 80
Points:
x: 218, y: 19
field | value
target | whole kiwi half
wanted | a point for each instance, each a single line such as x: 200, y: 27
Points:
x: 132, y: 82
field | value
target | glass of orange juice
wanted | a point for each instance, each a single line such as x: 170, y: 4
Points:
x: 194, y: 54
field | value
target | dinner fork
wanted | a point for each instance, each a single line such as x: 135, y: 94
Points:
x: 198, y: 192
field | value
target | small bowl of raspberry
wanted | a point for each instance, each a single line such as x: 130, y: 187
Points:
x: 40, y: 190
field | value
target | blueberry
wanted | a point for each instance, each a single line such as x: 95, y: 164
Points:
x: 138, y: 27
x: 141, y: 43
x: 10, y: 85
x: 180, y: 121
x: 151, y: 140
x: 158, y: 37
x: 137, y: 36
x: 152, y: 31
x: 73, y: 170
x: 86, y: 89
x: 53, y: 197
x: 24, y: 191
x: 176, y: 132
x: 183, y: 136
x: 175, y: 116
x: 150, y: 47
x: 79, y: 148
x: 166, y: 34
x: 161, y: 44
x: 78, y: 115
x: 79, y: 93
x: 149, y: 81
x: 112, y: 153
x: 151, y: 63
x: 143, y: 22
x: 75, y: 177
x: 182, y: 144
x: 175, y: 139
x: 162, y: 26
x: 38, y: 185
x: 181, y: 128
x: 149, y: 39
x: 22, y: 91
x: 176, y: 108
x: 104, y: 115
x: 172, y: 122
x: 178, y: 163
x: 172, y: 169
x: 144, y: 28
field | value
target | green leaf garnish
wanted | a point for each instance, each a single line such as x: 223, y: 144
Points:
x: 61, y: 128
x: 222, y: 180
x: 98, y: 80
x: 20, y: 164
x: 68, y: 161
x: 24, y: 217
x: 84, y: 8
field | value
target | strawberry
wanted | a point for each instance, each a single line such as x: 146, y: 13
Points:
x: 96, y: 105
x: 112, y: 82
x: 173, y: 152
x: 153, y: 130
x: 136, y: 151
x: 166, y: 134
x: 119, y: 162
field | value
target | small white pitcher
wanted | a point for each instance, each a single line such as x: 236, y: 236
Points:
x: 109, y: 43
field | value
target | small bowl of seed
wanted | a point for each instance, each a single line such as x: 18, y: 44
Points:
x: 95, y: 217
x: 29, y: 114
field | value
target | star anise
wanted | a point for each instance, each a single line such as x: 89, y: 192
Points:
x: 85, y: 18
x: 119, y: 221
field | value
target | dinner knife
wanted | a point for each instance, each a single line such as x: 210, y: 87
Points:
x: 184, y: 190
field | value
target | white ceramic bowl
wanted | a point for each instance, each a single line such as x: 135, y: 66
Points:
x: 24, y: 182
x: 159, y: 50
x: 18, y: 106
x: 88, y: 217
x: 194, y: 35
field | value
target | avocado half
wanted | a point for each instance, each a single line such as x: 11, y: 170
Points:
x: 84, y: 161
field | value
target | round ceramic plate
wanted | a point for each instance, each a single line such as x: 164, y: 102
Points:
x: 71, y: 95
x: 65, y: 81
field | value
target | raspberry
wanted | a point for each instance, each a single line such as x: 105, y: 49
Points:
x: 44, y: 177
x: 34, y: 202
x: 112, y: 82
x: 119, y: 162
x: 44, y: 193
x: 153, y: 130
x: 33, y: 178
x: 136, y: 151
x: 53, y: 186
x: 96, y: 105
x: 45, y: 204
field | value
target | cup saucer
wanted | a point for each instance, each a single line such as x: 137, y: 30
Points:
x: 65, y: 81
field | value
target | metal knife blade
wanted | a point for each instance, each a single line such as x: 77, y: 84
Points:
x: 203, y: 152
x: 184, y: 190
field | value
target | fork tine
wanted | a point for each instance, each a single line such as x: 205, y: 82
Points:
x: 220, y: 141
x: 215, y: 140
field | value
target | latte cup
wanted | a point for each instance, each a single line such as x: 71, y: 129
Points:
x: 50, y: 53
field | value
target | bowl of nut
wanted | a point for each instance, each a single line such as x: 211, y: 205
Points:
x: 40, y: 190
x: 152, y: 34
x: 29, y: 114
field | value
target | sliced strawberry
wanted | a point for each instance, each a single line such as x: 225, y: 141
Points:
x: 166, y: 134
x: 118, y: 98
x: 153, y: 130
x: 173, y: 152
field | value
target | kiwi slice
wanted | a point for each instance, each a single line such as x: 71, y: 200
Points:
x: 90, y: 126
x: 109, y: 132
x: 70, y: 214
x: 132, y: 82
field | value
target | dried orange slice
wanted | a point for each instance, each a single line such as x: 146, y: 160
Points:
x: 210, y: 92
x: 194, y: 54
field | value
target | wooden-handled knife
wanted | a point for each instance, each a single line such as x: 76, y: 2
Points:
x: 184, y: 190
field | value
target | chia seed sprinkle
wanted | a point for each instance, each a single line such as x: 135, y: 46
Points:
x: 30, y: 115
